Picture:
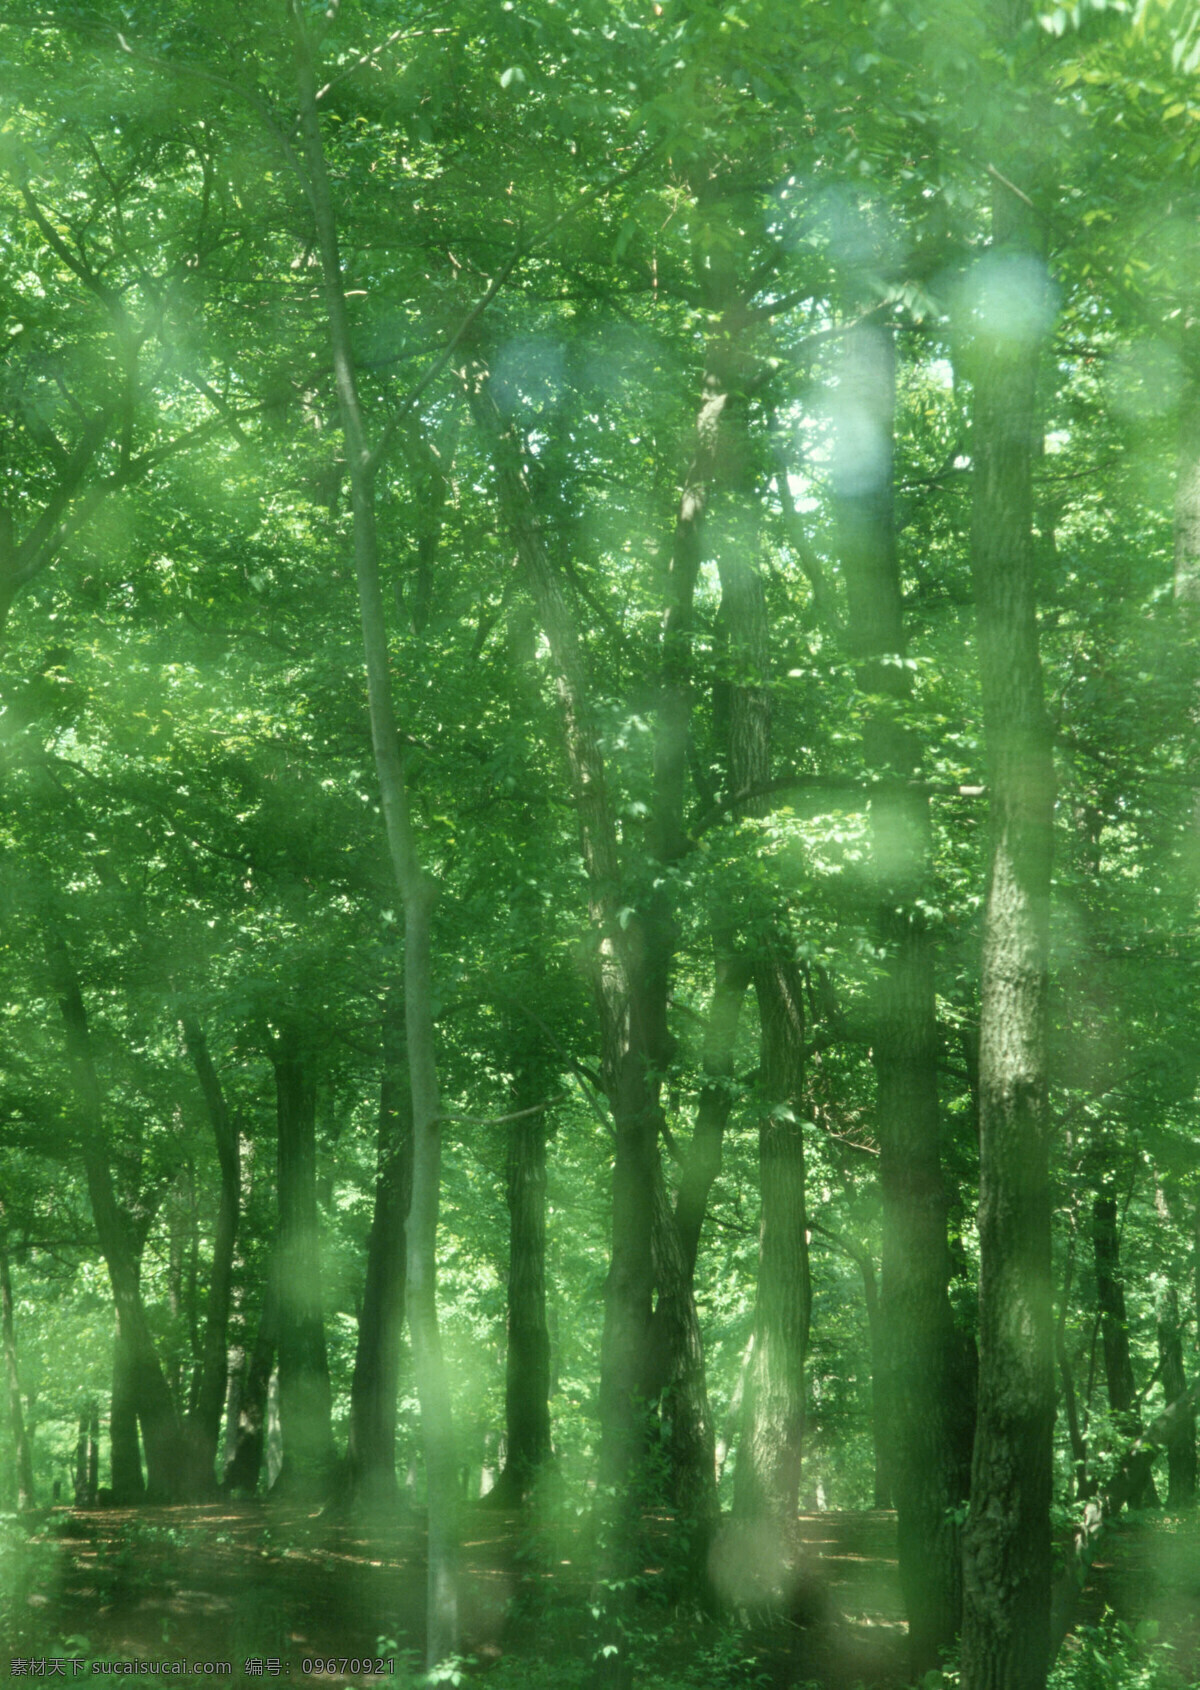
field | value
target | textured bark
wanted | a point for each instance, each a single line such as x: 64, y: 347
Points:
x: 244, y: 1456
x: 139, y: 1371
x: 371, y: 1448
x: 929, y: 1392
x: 415, y: 888
x: 1006, y: 1620
x: 1181, y: 1446
x: 767, y: 1477
x: 22, y: 1451
x: 678, y: 1382
x: 204, y: 1421
x: 305, y: 1404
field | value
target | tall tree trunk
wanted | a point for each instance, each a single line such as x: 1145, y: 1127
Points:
x: 929, y: 1396
x: 247, y: 1447
x: 416, y: 890
x: 767, y: 1477
x: 140, y: 1370
x: 305, y: 1404
x: 627, y: 1021
x: 677, y: 1373
x: 204, y: 1422
x: 371, y: 1450
x: 126, y: 1479
x: 1114, y: 1327
x: 678, y: 1382
x: 1006, y: 1620
x: 527, y: 1364
x: 16, y: 1411
x: 1181, y: 1450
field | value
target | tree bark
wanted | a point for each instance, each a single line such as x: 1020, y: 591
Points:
x: 305, y: 1404
x: 244, y: 1457
x: 416, y: 890
x: 22, y: 1449
x: 1006, y: 1621
x: 371, y: 1449
x: 767, y: 1476
x: 204, y: 1421
x: 678, y: 1382
x: 139, y: 1369
x: 929, y: 1394
x: 527, y: 1362
x: 126, y: 1479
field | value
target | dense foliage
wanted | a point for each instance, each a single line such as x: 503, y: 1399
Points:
x: 644, y: 383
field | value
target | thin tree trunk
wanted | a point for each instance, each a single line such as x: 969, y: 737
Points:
x: 1079, y: 1450
x: 205, y: 1419
x: 16, y: 1412
x: 702, y: 1163
x: 1187, y: 502
x: 1006, y: 1620
x: 87, y: 1457
x: 767, y: 1475
x: 371, y: 1450
x: 677, y: 1377
x: 1114, y: 1327
x: 84, y: 1497
x: 1181, y: 1449
x: 417, y: 893
x: 140, y: 1370
x: 929, y: 1397
x: 93, y: 1453
x: 305, y: 1404
x: 627, y: 1021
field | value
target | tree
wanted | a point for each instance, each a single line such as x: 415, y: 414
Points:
x: 1007, y: 1543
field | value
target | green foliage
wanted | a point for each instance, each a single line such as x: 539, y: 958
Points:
x: 1115, y: 1655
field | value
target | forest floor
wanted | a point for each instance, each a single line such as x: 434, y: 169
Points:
x: 271, y: 1588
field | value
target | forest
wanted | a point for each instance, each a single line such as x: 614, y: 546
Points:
x: 600, y: 842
